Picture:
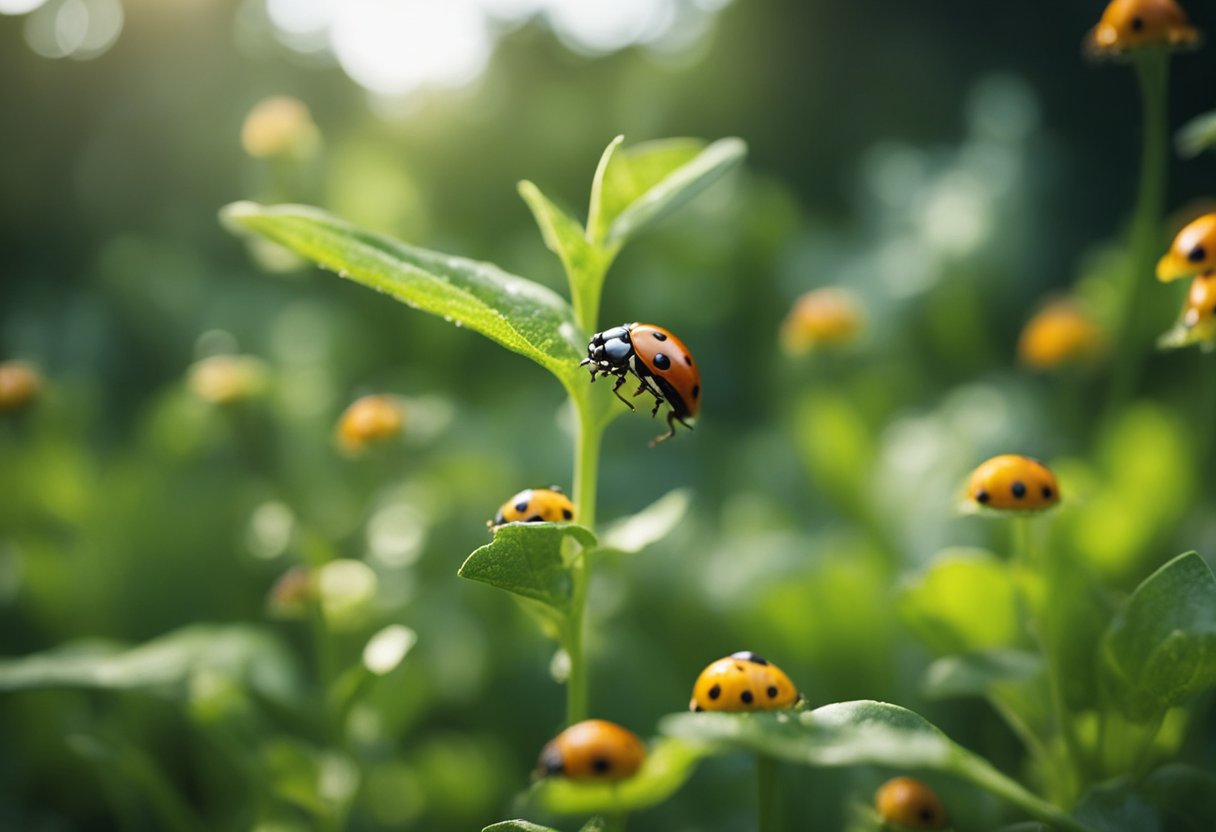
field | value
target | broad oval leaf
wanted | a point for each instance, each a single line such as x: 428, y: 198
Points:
x: 642, y: 184
x: 667, y: 767
x: 527, y: 559
x: 165, y: 663
x: 965, y: 600
x: 523, y: 316
x: 1161, y: 647
x: 855, y: 733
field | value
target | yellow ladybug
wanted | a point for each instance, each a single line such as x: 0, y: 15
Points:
x: 1193, y: 251
x: 1060, y: 333
x: 1200, y: 310
x: 368, y: 420
x: 742, y: 682
x: 536, y: 505
x: 1013, y: 483
x: 594, y: 749
x: 908, y: 803
x: 1131, y: 24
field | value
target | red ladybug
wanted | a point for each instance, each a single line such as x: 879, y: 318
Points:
x: 658, y: 359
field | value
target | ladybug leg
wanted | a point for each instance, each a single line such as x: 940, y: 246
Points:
x: 671, y: 429
x: 616, y: 389
x: 655, y: 410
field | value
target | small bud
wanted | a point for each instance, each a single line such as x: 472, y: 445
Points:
x: 280, y: 126
x: 1060, y: 333
x: 292, y: 593
x: 20, y: 385
x: 822, y: 317
x: 370, y: 420
x: 224, y: 379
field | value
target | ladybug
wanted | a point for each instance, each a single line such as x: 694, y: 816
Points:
x: 1193, y: 251
x: 369, y: 420
x: 594, y: 749
x: 742, y: 682
x: 1060, y: 333
x: 535, y: 505
x: 1200, y: 308
x: 660, y: 362
x: 908, y: 803
x: 1013, y: 483
x: 1130, y: 24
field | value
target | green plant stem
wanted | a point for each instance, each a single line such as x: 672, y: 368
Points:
x: 989, y: 778
x: 1026, y: 554
x: 1152, y: 72
x: 766, y: 794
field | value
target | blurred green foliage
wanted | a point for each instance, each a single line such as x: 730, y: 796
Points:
x: 950, y: 162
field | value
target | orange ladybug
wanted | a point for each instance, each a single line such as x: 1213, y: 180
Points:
x: 743, y: 682
x: 1011, y: 482
x: 908, y: 803
x: 1193, y: 251
x: 594, y: 749
x: 1130, y: 24
x: 20, y: 384
x: 660, y: 362
x: 1060, y: 333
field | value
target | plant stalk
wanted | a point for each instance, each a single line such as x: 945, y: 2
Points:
x: 767, y: 804
x: 1152, y: 72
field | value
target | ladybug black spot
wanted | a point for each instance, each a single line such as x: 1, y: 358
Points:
x: 772, y: 691
x: 696, y: 390
x: 927, y: 814
x: 521, y: 506
x: 1137, y: 24
x: 715, y: 691
x: 567, y: 513
x: 688, y: 359
x: 749, y: 656
x: 696, y: 708
x: 1197, y: 255
x: 981, y: 496
x: 601, y: 765
x: 747, y: 697
x: 535, y: 518
x: 659, y: 336
x: 1019, y: 489
x: 1047, y: 492
x: 661, y: 361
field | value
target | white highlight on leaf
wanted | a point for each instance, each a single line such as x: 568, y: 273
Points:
x: 387, y: 648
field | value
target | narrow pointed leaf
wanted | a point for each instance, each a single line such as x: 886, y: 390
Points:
x: 563, y: 235
x: 1161, y: 648
x: 527, y: 559
x: 519, y: 314
x: 517, y: 826
x: 637, y: 531
x: 645, y: 183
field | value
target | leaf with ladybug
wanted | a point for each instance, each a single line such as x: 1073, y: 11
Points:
x: 519, y: 314
x: 852, y: 734
x: 530, y: 560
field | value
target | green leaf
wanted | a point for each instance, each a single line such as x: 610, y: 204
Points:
x: 965, y: 601
x: 1196, y: 136
x: 527, y: 559
x: 168, y: 662
x: 851, y: 734
x: 974, y: 674
x: 667, y: 767
x: 517, y: 826
x: 563, y: 235
x: 633, y: 533
x: 635, y: 187
x: 523, y: 316
x: 1161, y: 648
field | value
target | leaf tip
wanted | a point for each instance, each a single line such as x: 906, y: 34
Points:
x: 234, y: 215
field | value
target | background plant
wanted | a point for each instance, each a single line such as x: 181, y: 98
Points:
x: 121, y: 489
